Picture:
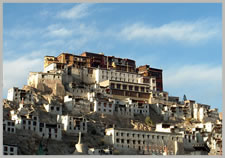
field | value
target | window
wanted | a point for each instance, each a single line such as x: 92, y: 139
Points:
x: 24, y: 121
x: 9, y: 123
x: 118, y: 86
x: 136, y: 88
x: 12, y: 129
x: 127, y: 134
x: 5, y: 148
x: 57, y: 109
x: 110, y: 105
x: 112, y: 85
x: 104, y: 104
x: 8, y: 129
x: 117, y: 133
x: 130, y: 88
x: 117, y: 140
x: 124, y: 86
x: 52, y: 108
x: 34, y: 123
x: 142, y: 89
x: 11, y: 149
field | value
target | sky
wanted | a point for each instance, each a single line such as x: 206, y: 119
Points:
x: 185, y: 40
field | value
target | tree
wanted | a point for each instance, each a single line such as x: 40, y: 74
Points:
x: 184, y: 98
x: 148, y: 121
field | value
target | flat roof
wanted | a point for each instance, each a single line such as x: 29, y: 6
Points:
x: 132, y: 130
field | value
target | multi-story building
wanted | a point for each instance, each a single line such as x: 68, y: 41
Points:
x: 200, y: 111
x: 144, y: 142
x: 47, y: 82
x: 72, y: 124
x: 146, y: 70
x: 17, y: 95
x: 32, y: 122
x: 123, y: 90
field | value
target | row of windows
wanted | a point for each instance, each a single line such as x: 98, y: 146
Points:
x: 10, y: 123
x: 106, y: 105
x: 9, y: 129
x: 144, y: 136
x: 104, y: 110
x: 129, y: 87
x: 57, y: 108
x: 119, y: 74
x: 7, y: 148
x: 119, y: 79
x: 29, y: 122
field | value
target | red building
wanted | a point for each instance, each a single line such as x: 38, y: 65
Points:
x: 146, y: 70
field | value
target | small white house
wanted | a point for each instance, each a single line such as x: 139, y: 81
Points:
x: 73, y: 125
x: 9, y: 126
x: 10, y: 149
x: 18, y: 95
x: 54, y: 108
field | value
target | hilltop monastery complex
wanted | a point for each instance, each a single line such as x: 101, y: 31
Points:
x: 105, y: 105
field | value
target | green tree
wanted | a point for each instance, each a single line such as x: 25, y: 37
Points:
x: 148, y: 121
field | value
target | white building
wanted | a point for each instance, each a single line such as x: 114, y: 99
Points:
x: 47, y: 82
x: 10, y: 149
x: 200, y: 111
x: 9, y: 126
x: 207, y: 126
x: 105, y: 106
x: 32, y: 122
x: 110, y: 74
x: 53, y: 108
x: 76, y: 105
x: 144, y: 142
x: 163, y: 127
x: 17, y: 95
x: 72, y: 124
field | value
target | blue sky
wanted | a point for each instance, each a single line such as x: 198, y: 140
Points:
x: 185, y: 40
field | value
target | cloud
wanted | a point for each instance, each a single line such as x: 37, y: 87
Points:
x: 57, y: 31
x: 77, y: 12
x: 193, y: 74
x: 192, y: 31
x: 15, y: 72
x: 201, y: 82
